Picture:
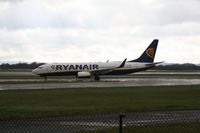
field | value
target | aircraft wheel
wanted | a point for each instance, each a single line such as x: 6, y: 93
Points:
x: 97, y: 78
x: 45, y: 78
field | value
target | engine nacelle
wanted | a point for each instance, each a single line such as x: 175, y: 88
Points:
x: 84, y: 75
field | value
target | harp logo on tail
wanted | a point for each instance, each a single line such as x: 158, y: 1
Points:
x: 150, y: 52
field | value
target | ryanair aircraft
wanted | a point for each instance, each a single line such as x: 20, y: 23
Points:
x: 88, y: 70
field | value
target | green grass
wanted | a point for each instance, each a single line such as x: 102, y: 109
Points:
x: 33, y: 103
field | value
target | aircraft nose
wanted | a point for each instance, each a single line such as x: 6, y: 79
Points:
x: 35, y: 71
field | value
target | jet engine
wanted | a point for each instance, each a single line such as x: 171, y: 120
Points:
x: 84, y: 75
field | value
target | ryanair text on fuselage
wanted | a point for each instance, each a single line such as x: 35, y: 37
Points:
x: 75, y: 67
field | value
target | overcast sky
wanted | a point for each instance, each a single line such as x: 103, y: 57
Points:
x: 98, y: 30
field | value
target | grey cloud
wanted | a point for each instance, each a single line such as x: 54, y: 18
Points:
x: 99, y: 14
x: 32, y: 14
x: 179, y: 11
x: 153, y: 12
x: 16, y: 18
x: 80, y: 29
x: 13, y: 1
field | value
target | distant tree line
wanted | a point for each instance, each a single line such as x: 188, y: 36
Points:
x: 33, y: 65
x: 186, y: 66
x: 20, y: 65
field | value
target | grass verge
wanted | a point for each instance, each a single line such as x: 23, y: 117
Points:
x: 52, y: 102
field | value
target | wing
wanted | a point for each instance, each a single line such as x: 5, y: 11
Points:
x: 107, y: 70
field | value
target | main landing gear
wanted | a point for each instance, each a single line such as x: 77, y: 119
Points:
x: 97, y: 78
x: 45, y: 78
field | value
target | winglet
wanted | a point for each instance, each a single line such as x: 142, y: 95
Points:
x: 122, y: 64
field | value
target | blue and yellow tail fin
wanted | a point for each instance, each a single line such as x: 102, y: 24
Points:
x: 149, y: 54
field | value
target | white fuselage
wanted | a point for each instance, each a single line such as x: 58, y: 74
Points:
x: 69, y: 69
x: 86, y: 70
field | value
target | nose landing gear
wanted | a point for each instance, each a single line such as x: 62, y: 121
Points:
x: 97, y: 78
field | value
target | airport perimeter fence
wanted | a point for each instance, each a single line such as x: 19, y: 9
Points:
x: 167, y: 122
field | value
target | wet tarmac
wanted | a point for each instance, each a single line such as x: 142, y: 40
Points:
x: 116, y: 82
x: 16, y: 74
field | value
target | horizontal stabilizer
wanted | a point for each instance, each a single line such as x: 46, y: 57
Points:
x: 153, y: 64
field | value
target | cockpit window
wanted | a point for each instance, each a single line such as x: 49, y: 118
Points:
x: 40, y: 67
